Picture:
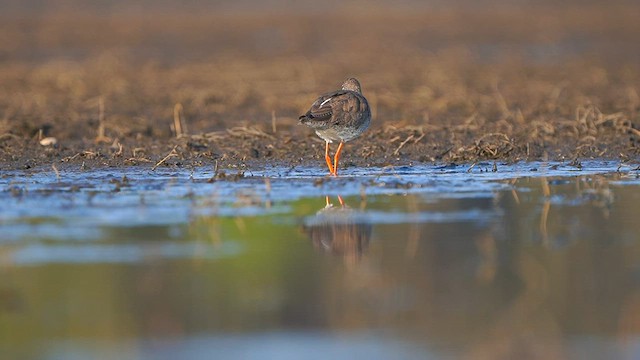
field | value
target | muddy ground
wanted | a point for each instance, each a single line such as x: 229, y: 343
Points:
x: 446, y: 84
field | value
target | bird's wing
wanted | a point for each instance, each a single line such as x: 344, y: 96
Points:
x: 324, y: 107
x: 341, y: 102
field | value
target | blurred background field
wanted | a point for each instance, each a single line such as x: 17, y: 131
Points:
x: 460, y: 80
x: 482, y: 259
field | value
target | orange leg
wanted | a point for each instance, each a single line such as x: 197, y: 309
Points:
x: 336, y: 159
x: 340, y: 200
x: 328, y: 159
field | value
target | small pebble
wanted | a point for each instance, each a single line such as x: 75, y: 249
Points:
x: 48, y: 141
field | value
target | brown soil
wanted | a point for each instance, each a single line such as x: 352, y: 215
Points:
x: 446, y: 84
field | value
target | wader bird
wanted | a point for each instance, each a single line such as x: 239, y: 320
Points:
x: 339, y: 116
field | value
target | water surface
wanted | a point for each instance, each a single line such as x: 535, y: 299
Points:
x: 528, y: 260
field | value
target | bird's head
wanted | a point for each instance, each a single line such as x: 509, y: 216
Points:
x: 352, y: 84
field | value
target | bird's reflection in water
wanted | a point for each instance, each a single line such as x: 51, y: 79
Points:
x: 339, y: 230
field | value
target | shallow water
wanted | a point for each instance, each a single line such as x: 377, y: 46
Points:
x: 532, y: 260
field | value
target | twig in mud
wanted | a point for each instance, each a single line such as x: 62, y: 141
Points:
x: 179, y: 126
x: 117, y: 143
x: 501, y: 102
x: 389, y: 128
x: 172, y: 153
x: 471, y: 167
x: 88, y: 154
x: 273, y: 121
x: 7, y: 136
x: 250, y: 131
x: 409, y: 138
x: 137, y: 159
x: 55, y: 169
x: 213, y: 136
x: 215, y: 173
x: 135, y: 151
x: 101, y: 136
x: 70, y: 158
x: 505, y: 137
x: 442, y: 154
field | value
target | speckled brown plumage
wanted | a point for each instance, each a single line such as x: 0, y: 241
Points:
x: 339, y: 116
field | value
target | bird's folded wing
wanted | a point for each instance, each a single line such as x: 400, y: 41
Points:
x: 336, y: 105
